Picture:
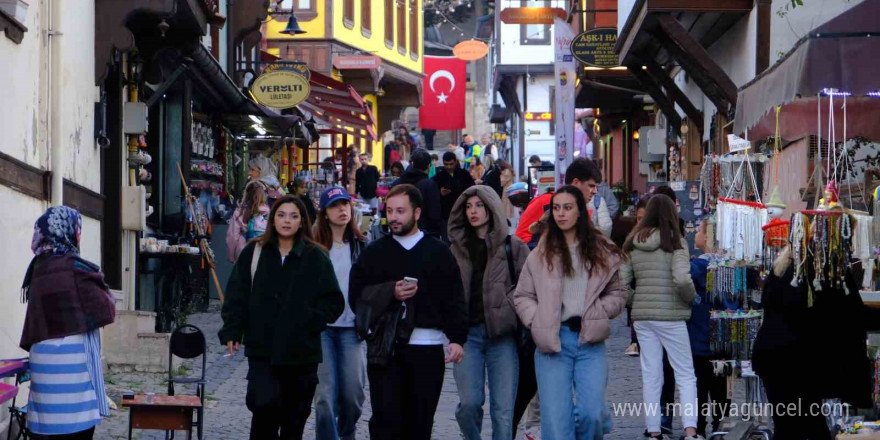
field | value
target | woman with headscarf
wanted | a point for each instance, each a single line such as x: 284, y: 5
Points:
x: 263, y: 170
x: 67, y: 302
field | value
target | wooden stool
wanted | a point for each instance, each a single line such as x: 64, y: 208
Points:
x: 162, y: 412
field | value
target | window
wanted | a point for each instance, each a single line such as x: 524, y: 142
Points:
x: 304, y: 9
x: 366, y: 17
x: 534, y: 34
x: 389, y: 23
x: 414, y: 29
x: 401, y: 26
x: 348, y: 13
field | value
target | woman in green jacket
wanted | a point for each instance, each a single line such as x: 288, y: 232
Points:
x: 281, y: 294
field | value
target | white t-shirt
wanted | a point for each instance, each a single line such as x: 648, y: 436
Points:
x: 409, y: 241
x: 340, y: 256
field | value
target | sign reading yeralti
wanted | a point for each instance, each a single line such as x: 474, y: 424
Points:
x: 282, y: 85
x: 595, y: 47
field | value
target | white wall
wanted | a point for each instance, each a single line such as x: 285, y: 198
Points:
x: 512, y: 52
x: 538, y: 101
x: 624, y: 8
x: 787, y: 30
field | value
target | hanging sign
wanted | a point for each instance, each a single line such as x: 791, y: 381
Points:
x: 532, y: 15
x: 737, y: 143
x: 470, y: 50
x: 357, y: 62
x: 595, y: 47
x: 282, y: 86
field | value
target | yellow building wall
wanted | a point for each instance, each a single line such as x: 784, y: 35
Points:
x: 315, y: 28
x: 375, y: 44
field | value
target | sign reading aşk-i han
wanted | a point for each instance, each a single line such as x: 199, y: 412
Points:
x: 595, y: 47
x: 282, y: 86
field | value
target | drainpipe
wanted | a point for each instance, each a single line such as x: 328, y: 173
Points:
x: 56, y: 149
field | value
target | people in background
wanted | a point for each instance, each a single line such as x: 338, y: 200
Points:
x: 299, y: 189
x: 477, y: 169
x: 435, y: 163
x: 661, y: 303
x: 516, y: 197
x: 452, y: 181
x: 458, y: 151
x: 248, y: 221
x: 263, y: 170
x: 607, y: 195
x: 411, y: 284
x: 535, y: 161
x: 568, y: 292
x: 392, y: 151
x: 489, y: 261
x: 353, y: 164
x: 491, y: 175
x: 431, y: 219
x: 396, y: 169
x: 281, y: 295
x: 343, y: 372
x: 367, y: 180
x: 489, y: 147
x: 67, y: 304
x: 473, y: 151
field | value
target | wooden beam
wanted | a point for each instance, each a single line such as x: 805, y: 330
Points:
x: 694, y: 58
x: 24, y: 178
x: 653, y: 88
x: 700, y: 5
x: 84, y: 200
x: 762, y: 45
x: 674, y: 92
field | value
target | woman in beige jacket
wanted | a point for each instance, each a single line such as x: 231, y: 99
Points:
x: 486, y: 256
x: 568, y: 291
x: 660, y: 265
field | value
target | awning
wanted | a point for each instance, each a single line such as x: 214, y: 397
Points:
x: 840, y: 54
x: 338, y: 106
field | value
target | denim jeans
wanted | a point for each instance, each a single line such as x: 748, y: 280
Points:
x: 497, y: 356
x: 341, y: 378
x: 584, y: 369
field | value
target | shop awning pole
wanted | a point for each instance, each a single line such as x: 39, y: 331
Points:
x: 206, y: 251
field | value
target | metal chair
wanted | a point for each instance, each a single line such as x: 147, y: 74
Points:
x: 18, y: 414
x: 188, y: 342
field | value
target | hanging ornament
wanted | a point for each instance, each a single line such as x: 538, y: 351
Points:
x: 776, y: 231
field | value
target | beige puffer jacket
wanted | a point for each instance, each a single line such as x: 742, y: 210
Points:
x: 498, y: 288
x: 664, y: 290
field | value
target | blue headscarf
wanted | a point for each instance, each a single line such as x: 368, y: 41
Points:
x: 57, y: 232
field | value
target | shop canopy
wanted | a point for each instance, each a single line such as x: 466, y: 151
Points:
x: 339, y: 108
x: 838, y: 57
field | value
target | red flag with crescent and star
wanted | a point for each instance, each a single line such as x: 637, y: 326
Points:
x: 443, y: 94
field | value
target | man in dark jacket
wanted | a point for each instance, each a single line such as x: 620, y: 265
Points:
x: 431, y: 220
x: 366, y: 180
x: 424, y: 288
x: 452, y: 180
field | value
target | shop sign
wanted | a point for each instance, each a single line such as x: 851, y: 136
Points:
x: 543, y: 116
x: 357, y: 62
x: 532, y: 15
x: 737, y: 143
x: 282, y: 86
x: 470, y: 50
x: 595, y: 47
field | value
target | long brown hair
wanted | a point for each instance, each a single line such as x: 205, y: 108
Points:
x: 592, y: 247
x: 304, y: 233
x: 254, y: 197
x: 660, y: 215
x: 324, y: 234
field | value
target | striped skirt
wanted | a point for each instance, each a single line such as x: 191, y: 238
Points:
x: 67, y: 385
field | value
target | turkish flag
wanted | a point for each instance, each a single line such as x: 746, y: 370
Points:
x: 443, y: 94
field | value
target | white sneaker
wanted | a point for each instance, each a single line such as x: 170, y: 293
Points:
x: 632, y: 350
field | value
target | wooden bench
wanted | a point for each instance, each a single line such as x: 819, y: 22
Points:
x: 162, y: 412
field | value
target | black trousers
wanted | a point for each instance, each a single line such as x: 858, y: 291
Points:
x: 528, y: 382
x: 710, y: 386
x: 280, y: 399
x: 787, y: 389
x: 88, y: 434
x: 405, y: 393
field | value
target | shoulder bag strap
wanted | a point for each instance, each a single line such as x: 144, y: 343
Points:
x: 508, y: 248
x: 255, y: 260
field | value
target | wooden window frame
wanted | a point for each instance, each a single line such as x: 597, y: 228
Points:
x: 367, y: 18
x: 348, y: 13
x: 524, y: 39
x: 413, y: 29
x: 402, y: 40
x: 389, y: 23
x: 302, y: 14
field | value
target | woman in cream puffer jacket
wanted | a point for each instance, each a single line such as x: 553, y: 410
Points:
x: 659, y: 264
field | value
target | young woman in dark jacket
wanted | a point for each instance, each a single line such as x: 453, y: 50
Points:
x: 343, y: 373
x: 277, y: 305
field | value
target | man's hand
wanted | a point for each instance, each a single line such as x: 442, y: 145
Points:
x: 445, y: 192
x: 456, y: 354
x: 404, y: 291
x: 232, y: 347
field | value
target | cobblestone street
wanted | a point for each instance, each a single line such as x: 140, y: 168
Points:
x: 228, y: 418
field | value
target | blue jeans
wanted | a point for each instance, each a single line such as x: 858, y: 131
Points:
x: 499, y: 357
x: 341, y: 378
x: 583, y: 368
